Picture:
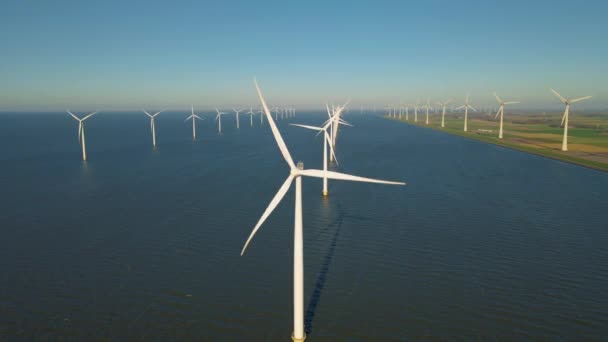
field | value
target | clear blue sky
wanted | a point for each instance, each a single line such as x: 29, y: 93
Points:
x: 133, y: 54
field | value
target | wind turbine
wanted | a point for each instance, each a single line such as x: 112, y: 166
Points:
x: 152, y: 126
x: 567, y: 102
x: 443, y: 104
x: 336, y: 124
x: 407, y: 112
x: 326, y: 141
x: 261, y: 116
x: 218, y: 118
x: 416, y: 110
x: 297, y: 172
x: 501, y: 111
x: 193, y: 117
x: 466, y: 107
x: 251, y: 114
x: 237, y: 116
x: 427, y: 106
x: 81, y: 131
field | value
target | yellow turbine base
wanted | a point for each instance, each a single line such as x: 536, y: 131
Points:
x: 298, y: 339
x: 325, y: 193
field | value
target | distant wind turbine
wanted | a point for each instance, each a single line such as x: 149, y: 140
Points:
x: 152, y: 125
x: 567, y: 102
x: 427, y: 106
x: 297, y: 172
x: 237, y: 116
x: 501, y: 111
x: 326, y: 141
x: 81, y: 132
x: 443, y: 104
x: 466, y: 107
x: 193, y: 117
x: 218, y: 118
x: 416, y: 110
x: 261, y: 112
x: 251, y: 114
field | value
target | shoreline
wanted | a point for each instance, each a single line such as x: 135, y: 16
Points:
x: 539, y: 152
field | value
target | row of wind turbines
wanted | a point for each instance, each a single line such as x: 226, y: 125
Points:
x: 329, y: 129
x: 283, y: 113
x: 392, y: 112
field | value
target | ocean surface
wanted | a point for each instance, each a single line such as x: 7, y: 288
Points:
x: 143, y: 244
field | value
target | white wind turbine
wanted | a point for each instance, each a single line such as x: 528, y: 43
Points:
x: 443, y: 104
x: 81, y: 132
x: 261, y: 112
x: 567, y: 102
x: 501, y: 111
x: 416, y: 110
x: 251, y: 114
x: 193, y: 117
x: 296, y: 172
x: 338, y: 111
x: 407, y: 112
x: 326, y: 141
x: 152, y: 125
x: 237, y: 116
x: 427, y: 106
x: 218, y: 118
x: 466, y: 107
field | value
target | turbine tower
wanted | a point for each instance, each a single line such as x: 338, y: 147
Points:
x: 501, y: 111
x: 297, y: 172
x: 416, y: 110
x: 81, y: 132
x: 443, y: 104
x: 194, y: 117
x: 567, y: 102
x: 466, y: 107
x: 152, y: 126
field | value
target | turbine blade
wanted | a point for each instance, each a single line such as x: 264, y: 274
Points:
x: 473, y: 108
x: 308, y: 127
x: 511, y: 102
x: 561, y: 98
x: 458, y: 108
x: 498, y: 112
x: 563, y: 119
x: 155, y: 114
x: 80, y: 132
x: 74, y: 116
x: 343, y: 176
x: 88, y: 116
x: 148, y: 114
x: 580, y: 99
x: 273, y: 204
x: 498, y: 98
x: 342, y: 122
x: 275, y: 130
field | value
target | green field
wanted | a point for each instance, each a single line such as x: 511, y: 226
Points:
x: 537, y: 133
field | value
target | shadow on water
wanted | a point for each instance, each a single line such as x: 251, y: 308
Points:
x: 322, y: 278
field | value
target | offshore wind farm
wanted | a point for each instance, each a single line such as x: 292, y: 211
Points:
x: 432, y: 190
